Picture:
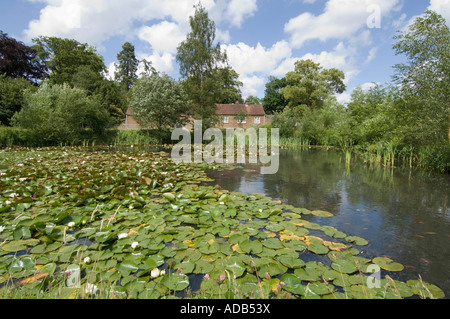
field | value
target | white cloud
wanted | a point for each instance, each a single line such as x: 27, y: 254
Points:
x: 255, y: 64
x: 252, y: 85
x: 342, y: 19
x: 164, y: 37
x: 248, y: 60
x: 161, y: 62
x: 239, y: 10
x: 342, y: 57
x: 95, y: 21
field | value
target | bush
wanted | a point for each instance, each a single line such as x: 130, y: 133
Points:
x: 58, y: 114
x: 11, y: 136
x: 436, y: 157
x: 12, y: 97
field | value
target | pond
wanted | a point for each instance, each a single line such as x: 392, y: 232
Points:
x: 404, y: 215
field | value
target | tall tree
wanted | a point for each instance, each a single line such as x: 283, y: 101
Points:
x: 159, y: 103
x: 310, y: 85
x: 203, y: 67
x: 65, y: 57
x: 128, y: 66
x: 274, y: 101
x: 20, y: 61
x: 425, y: 78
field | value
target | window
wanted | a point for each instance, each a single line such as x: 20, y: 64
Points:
x: 242, y: 120
x: 257, y: 120
x: 226, y: 120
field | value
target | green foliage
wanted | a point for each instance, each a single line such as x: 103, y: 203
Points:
x: 59, y: 114
x: 407, y: 122
x: 159, y: 102
x: 19, y: 61
x: 128, y: 65
x: 65, y: 57
x: 12, y: 97
x: 309, y: 84
x: 11, y: 136
x: 203, y: 67
x: 274, y: 101
x: 425, y: 78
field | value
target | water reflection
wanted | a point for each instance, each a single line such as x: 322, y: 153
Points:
x: 403, y: 214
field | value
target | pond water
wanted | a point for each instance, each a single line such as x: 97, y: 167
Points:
x: 404, y: 215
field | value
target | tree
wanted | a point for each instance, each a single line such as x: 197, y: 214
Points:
x: 65, y: 58
x: 274, y: 101
x: 128, y: 66
x: 159, y: 103
x: 204, y: 68
x: 12, y: 97
x: 370, y: 114
x: 310, y: 85
x: 58, y: 114
x: 425, y: 78
x: 20, y: 61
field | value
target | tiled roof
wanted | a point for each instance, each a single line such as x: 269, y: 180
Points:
x: 231, y: 109
x: 234, y: 109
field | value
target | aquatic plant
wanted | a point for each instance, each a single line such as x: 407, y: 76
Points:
x: 138, y: 225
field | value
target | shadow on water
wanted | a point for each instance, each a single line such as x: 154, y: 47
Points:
x: 404, y: 215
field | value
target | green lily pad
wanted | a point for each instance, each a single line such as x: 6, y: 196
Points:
x: 345, y: 266
x: 388, y: 264
x: 293, y: 284
x: 236, y: 266
x: 175, y: 282
x: 19, y: 245
x: 292, y: 262
x: 358, y: 241
x: 251, y: 246
x: 425, y: 290
x: 322, y: 214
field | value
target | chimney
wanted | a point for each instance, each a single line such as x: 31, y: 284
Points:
x: 246, y: 102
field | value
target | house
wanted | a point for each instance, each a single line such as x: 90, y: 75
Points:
x: 241, y: 115
x: 231, y: 116
x: 130, y: 123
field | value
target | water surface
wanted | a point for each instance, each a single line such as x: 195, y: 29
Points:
x: 405, y: 215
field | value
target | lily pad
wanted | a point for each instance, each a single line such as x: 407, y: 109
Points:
x: 388, y: 264
x: 175, y: 282
x: 425, y: 290
x: 345, y: 266
x: 251, y: 247
x: 322, y: 214
x: 358, y: 241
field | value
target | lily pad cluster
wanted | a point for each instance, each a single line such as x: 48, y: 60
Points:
x: 80, y: 224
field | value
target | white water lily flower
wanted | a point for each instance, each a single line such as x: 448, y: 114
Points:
x: 71, y: 224
x: 7, y: 202
x: 162, y: 273
x: 123, y: 235
x: 23, y: 179
x: 91, y: 289
x: 87, y: 260
x: 2, y: 228
x: 155, y: 273
x: 134, y: 245
x: 12, y: 195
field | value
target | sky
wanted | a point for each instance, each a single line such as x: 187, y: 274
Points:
x: 262, y: 38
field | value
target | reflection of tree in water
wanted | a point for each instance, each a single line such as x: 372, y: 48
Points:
x: 307, y: 179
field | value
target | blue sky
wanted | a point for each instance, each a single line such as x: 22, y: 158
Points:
x: 261, y: 37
